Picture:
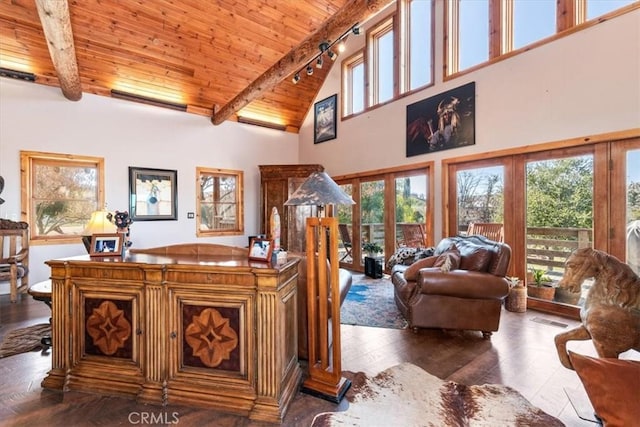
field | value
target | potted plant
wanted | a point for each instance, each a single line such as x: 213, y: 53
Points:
x: 516, y: 300
x: 542, y: 286
x: 371, y: 248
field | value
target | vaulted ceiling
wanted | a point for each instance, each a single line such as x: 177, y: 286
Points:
x: 223, y: 59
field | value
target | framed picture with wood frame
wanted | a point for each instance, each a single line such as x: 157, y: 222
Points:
x: 260, y: 249
x: 108, y: 244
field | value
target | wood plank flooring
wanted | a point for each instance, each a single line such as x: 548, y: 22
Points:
x: 521, y: 354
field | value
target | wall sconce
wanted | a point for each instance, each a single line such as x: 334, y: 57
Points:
x: 326, y: 47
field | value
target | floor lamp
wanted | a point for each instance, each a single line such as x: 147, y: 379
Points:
x: 325, y: 378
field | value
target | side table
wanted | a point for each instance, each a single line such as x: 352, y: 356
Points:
x: 41, y: 291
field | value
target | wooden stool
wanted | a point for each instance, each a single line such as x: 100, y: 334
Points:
x: 41, y: 291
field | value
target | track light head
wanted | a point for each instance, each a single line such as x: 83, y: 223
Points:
x: 323, y: 47
x: 355, y: 30
x: 319, y: 62
x: 332, y: 55
x: 296, y: 78
x: 309, y: 70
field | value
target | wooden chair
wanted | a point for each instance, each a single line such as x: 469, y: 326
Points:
x: 345, y: 236
x: 491, y: 230
x: 14, y: 255
x: 413, y: 235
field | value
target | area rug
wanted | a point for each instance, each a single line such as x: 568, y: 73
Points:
x: 409, y: 396
x: 24, y: 339
x: 370, y: 303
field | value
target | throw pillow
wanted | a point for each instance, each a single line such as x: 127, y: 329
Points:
x: 612, y: 386
x: 450, y: 257
x: 448, y: 261
x: 402, y: 256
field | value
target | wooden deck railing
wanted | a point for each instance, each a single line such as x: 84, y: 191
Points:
x: 547, y: 247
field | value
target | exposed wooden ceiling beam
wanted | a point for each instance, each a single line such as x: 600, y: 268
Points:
x: 353, y: 12
x: 54, y: 16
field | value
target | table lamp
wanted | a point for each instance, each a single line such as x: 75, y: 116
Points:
x: 98, y: 224
x: 325, y: 372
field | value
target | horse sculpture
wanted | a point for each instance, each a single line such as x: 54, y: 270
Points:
x: 611, y: 313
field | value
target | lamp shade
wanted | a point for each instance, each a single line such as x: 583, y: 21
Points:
x: 319, y: 190
x: 99, y: 223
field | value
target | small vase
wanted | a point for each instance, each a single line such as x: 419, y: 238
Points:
x: 516, y: 301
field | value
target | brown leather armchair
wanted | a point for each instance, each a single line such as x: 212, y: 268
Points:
x: 344, y: 279
x: 468, y: 296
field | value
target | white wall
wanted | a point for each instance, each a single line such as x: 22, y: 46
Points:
x: 38, y: 118
x: 584, y: 84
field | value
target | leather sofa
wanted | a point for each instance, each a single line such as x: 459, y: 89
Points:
x: 468, y: 295
x: 344, y: 279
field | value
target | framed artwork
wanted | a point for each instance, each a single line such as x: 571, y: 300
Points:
x: 106, y: 244
x: 260, y: 249
x: 153, y: 194
x: 325, y: 114
x: 442, y: 122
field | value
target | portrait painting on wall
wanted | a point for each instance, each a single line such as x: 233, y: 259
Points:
x: 442, y: 122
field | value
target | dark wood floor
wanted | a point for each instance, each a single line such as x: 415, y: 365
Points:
x: 521, y: 354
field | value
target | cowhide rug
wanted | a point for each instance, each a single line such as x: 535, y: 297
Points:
x: 407, y: 395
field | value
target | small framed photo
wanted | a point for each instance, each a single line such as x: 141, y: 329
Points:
x: 153, y: 194
x: 106, y: 245
x: 260, y: 249
x: 324, y: 119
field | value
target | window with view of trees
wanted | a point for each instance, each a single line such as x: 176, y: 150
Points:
x: 220, y: 202
x: 551, y: 201
x: 393, y: 208
x: 61, y: 192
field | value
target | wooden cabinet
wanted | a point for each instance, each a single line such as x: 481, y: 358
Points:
x: 277, y: 183
x: 185, y: 327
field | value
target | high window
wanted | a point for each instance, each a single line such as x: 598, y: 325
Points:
x: 353, y: 84
x: 219, y: 204
x: 480, y: 31
x: 417, y: 44
x: 61, y: 192
x: 381, y: 54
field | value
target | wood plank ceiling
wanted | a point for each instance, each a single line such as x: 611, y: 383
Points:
x: 226, y: 57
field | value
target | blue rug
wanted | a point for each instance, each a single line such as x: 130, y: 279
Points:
x: 370, y: 303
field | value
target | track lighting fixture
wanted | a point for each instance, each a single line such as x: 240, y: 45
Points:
x: 326, y: 47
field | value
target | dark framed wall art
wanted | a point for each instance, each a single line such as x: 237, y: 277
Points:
x: 325, y: 114
x: 153, y: 194
x: 442, y: 122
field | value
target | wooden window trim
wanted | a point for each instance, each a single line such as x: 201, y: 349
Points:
x: 404, y: 47
x: 514, y: 161
x: 388, y: 175
x: 383, y: 28
x: 239, y: 176
x: 570, y: 18
x: 26, y: 168
x: 347, y: 83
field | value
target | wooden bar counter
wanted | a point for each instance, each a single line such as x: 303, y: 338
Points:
x: 193, y: 324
